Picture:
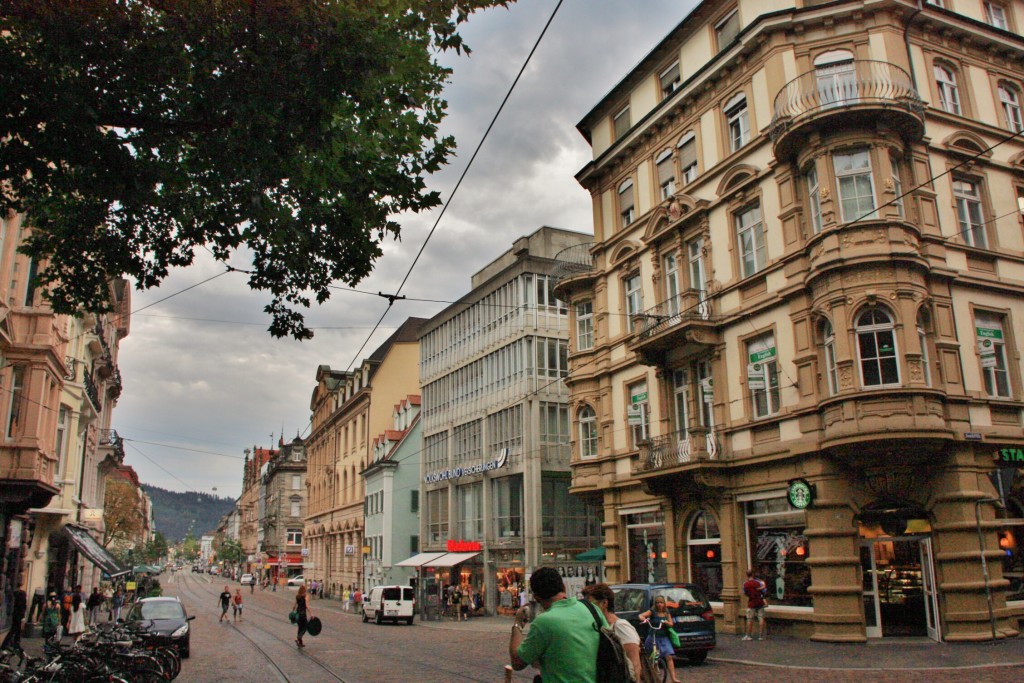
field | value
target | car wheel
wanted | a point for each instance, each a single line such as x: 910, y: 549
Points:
x: 697, y: 657
x: 378, y: 619
x: 409, y: 621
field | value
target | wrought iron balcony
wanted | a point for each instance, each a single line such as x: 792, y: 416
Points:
x: 683, y: 325
x: 572, y: 262
x: 866, y: 89
x: 679, y: 448
x: 92, y: 392
x: 111, y: 439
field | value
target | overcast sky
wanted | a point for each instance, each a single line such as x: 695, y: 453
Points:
x: 204, y: 380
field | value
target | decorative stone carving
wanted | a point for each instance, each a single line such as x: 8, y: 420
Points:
x: 825, y: 194
x: 914, y: 365
x: 845, y: 377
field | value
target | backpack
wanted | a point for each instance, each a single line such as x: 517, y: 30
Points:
x: 612, y: 665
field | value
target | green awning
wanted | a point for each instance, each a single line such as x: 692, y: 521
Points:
x: 592, y: 555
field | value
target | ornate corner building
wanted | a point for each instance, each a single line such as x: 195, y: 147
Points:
x: 797, y: 334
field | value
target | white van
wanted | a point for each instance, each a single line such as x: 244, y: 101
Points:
x: 390, y: 603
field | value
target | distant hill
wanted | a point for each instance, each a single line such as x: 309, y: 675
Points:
x: 174, y: 513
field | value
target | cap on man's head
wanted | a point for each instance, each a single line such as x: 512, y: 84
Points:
x: 546, y: 583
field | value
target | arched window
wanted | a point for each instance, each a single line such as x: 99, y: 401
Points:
x: 876, y: 344
x: 1009, y: 100
x: 945, y: 84
x: 705, y: 549
x: 588, y: 432
x: 828, y: 339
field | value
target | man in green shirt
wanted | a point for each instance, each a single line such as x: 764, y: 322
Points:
x: 562, y: 641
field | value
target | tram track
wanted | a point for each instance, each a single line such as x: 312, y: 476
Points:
x: 282, y: 674
x: 366, y: 645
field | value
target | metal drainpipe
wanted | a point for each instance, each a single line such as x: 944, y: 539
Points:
x: 906, y: 41
x: 984, y: 562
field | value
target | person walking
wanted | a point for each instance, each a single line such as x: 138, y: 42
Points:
x: 346, y: 599
x: 357, y: 601
x: 76, y: 622
x: 602, y: 597
x: 236, y: 603
x: 562, y: 641
x: 305, y: 614
x: 225, y: 602
x: 116, y: 603
x: 660, y: 620
x: 755, y: 589
x: 93, y: 605
x: 50, y: 624
x: 466, y: 602
x: 35, y: 612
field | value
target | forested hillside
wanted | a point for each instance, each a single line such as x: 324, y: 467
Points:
x: 175, y: 513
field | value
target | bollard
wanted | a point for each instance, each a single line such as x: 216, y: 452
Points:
x: 508, y: 674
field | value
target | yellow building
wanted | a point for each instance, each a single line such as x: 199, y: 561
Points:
x: 797, y: 333
x: 349, y: 409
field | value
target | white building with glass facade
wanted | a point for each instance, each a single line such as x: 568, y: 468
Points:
x: 495, y: 466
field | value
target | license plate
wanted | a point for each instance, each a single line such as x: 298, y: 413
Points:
x: 688, y: 618
x: 391, y: 612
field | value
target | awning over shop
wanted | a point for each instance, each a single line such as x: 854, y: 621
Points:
x: 450, y: 559
x: 95, y: 553
x: 419, y: 560
x: 592, y: 555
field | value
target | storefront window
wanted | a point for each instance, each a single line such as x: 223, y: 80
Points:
x: 779, y: 551
x: 705, y: 546
x: 647, y: 553
x: 507, y: 494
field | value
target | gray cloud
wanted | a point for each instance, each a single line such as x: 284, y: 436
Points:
x: 221, y: 386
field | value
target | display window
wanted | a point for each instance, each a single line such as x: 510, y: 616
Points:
x: 778, y: 550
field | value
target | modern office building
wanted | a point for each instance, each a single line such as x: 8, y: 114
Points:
x: 797, y: 334
x: 496, y: 428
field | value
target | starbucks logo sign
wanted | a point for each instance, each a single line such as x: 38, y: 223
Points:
x: 800, y: 494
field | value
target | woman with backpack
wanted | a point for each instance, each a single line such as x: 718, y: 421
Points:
x: 602, y: 597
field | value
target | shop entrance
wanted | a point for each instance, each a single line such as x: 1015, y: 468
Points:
x: 899, y: 587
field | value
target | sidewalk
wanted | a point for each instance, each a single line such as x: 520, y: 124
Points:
x: 889, y: 654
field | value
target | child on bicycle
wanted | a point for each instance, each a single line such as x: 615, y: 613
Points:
x: 660, y: 620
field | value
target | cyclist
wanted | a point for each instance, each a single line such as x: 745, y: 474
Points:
x: 660, y: 619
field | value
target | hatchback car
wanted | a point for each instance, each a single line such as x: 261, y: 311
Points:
x: 165, y: 619
x: 691, y: 613
x: 297, y: 581
x: 247, y: 579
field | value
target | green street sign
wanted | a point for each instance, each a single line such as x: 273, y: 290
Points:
x: 988, y: 333
x: 639, y: 398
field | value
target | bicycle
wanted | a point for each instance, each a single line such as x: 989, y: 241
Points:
x: 653, y: 663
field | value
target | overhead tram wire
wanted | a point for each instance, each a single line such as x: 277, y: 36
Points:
x: 187, y: 486
x: 462, y: 176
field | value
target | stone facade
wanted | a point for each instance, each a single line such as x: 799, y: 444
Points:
x: 284, y: 509
x: 802, y: 245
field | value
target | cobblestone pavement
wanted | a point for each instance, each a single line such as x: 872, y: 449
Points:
x: 261, y: 648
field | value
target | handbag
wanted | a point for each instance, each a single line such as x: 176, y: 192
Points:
x: 293, y: 617
x: 673, y: 636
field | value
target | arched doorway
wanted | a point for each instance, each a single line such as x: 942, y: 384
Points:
x: 898, y: 569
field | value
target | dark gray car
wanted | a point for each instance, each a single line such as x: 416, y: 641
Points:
x: 691, y: 612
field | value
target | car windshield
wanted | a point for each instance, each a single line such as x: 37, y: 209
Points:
x: 157, y: 610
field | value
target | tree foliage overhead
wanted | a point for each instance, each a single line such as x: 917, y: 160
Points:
x: 135, y: 132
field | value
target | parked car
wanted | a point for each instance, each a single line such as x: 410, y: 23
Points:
x: 691, y: 612
x: 164, y: 618
x: 390, y: 603
x: 196, y: 569
x: 247, y: 579
x: 299, y: 580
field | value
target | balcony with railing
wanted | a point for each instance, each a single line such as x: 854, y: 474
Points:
x: 573, y: 266
x: 109, y: 439
x: 846, y: 93
x: 679, y: 449
x: 92, y: 392
x: 682, y: 326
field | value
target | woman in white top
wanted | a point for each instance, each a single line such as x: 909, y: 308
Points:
x: 601, y: 595
x: 76, y: 624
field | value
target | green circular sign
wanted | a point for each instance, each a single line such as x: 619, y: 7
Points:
x: 800, y: 494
